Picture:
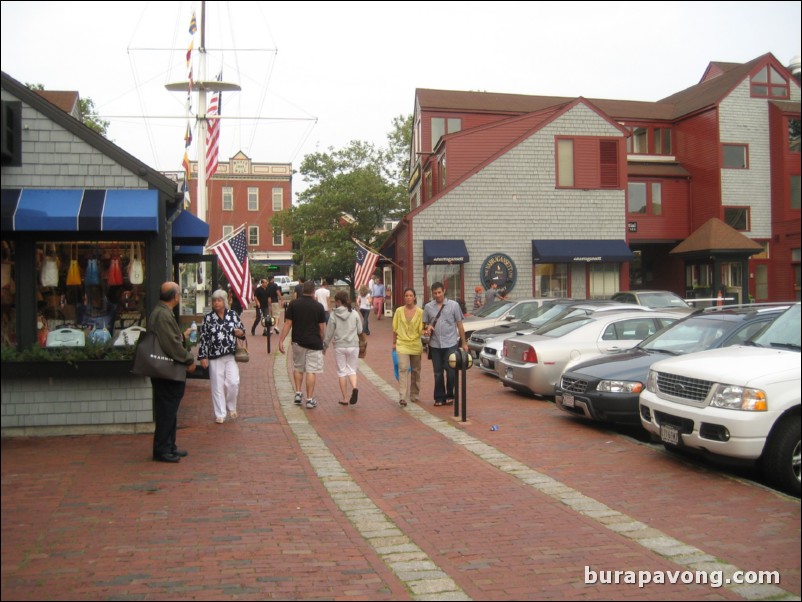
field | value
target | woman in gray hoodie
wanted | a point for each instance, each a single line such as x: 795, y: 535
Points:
x: 343, y: 330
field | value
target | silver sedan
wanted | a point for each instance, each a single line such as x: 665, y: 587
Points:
x: 533, y: 363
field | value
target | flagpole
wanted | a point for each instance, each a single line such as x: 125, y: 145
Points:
x: 225, y: 238
x: 202, y: 125
x: 374, y: 251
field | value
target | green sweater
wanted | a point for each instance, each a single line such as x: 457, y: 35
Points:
x: 162, y: 321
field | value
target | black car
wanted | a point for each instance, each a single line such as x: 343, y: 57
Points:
x: 607, y: 389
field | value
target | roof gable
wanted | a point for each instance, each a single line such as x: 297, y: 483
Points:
x: 715, y: 235
x: 67, y: 101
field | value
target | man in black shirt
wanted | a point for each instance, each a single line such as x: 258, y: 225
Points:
x: 307, y: 319
x: 261, y: 300
x: 274, y: 301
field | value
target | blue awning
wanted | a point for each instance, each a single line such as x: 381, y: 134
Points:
x: 79, y: 210
x: 444, y: 251
x: 188, y: 250
x: 580, y: 251
x: 190, y: 230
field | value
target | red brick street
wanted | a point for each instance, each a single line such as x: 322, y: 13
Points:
x: 379, y: 502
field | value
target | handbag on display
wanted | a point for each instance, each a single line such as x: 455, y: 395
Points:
x: 150, y: 360
x: 136, y: 273
x: 129, y: 336
x: 241, y: 354
x: 49, y: 274
x: 73, y: 272
x: 66, y: 337
x: 92, y: 272
x: 115, y: 271
x: 100, y: 335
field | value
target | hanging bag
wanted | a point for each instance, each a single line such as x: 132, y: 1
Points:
x: 49, y: 275
x: 363, y: 344
x: 241, y: 354
x: 115, y: 271
x: 74, y: 271
x: 92, y: 272
x: 136, y: 273
x: 150, y: 360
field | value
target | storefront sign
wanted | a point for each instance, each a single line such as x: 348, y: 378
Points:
x: 499, y: 268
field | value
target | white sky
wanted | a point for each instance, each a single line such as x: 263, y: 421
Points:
x: 344, y: 70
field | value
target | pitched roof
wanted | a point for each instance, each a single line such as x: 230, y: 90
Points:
x: 102, y: 144
x: 715, y: 235
x: 67, y: 101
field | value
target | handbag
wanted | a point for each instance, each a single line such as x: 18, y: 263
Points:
x: 150, y: 360
x: 363, y: 344
x: 136, y: 273
x: 129, y: 336
x: 241, y: 354
x: 424, y: 340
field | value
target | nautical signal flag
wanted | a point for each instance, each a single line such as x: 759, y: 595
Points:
x: 233, y: 255
x: 365, y: 264
x: 213, y: 134
x: 193, y: 24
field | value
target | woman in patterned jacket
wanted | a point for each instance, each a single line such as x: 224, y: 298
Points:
x: 221, y: 327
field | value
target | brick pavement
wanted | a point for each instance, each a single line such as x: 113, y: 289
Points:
x: 377, y: 502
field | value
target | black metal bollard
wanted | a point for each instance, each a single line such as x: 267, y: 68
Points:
x: 461, y: 361
x: 267, y: 322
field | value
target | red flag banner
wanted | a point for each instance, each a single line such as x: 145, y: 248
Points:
x: 213, y: 134
x: 233, y: 256
x: 365, y: 264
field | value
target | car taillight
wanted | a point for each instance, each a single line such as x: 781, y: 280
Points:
x: 529, y: 356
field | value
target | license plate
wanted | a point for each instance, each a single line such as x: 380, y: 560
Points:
x: 669, y: 434
x: 568, y: 400
x: 509, y: 373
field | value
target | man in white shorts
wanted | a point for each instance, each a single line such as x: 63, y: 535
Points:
x: 307, y: 320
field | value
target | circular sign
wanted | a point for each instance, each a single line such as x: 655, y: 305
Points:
x: 499, y: 268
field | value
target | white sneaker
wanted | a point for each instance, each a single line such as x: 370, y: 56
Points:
x: 298, y: 399
x: 311, y: 403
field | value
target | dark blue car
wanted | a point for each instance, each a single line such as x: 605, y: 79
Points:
x: 606, y: 389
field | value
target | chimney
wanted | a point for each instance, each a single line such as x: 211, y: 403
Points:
x: 794, y: 67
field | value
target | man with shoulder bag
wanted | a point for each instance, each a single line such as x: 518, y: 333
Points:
x: 442, y: 319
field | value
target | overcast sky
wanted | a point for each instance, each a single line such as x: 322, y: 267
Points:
x: 319, y: 75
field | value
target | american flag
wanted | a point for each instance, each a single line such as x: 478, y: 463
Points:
x: 365, y: 264
x: 233, y: 255
x: 213, y: 134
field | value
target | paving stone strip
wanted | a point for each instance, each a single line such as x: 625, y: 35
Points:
x: 687, y: 556
x: 413, y: 567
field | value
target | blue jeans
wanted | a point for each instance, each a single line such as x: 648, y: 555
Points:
x: 443, y: 386
x: 365, y: 316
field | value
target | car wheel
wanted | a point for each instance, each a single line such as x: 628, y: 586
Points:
x: 781, y: 458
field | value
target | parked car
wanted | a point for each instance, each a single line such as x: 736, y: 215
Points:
x: 654, y: 299
x: 533, y: 363
x: 607, y: 388
x: 283, y: 283
x: 487, y: 341
x: 505, y: 311
x: 740, y: 402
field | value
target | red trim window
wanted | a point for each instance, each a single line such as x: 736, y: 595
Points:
x: 737, y: 218
x: 769, y: 83
x: 793, y: 134
x: 587, y: 163
x: 735, y: 156
x: 645, y: 198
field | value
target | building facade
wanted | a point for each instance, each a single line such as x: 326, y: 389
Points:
x: 555, y: 196
x: 243, y: 191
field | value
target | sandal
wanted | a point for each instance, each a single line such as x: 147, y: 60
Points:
x: 439, y: 403
x: 402, y: 402
x: 343, y: 403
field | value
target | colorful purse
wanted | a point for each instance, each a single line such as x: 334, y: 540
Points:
x: 74, y: 272
x: 115, y: 271
x: 136, y: 273
x: 49, y: 274
x: 92, y: 272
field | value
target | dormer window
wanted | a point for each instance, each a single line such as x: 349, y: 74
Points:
x: 769, y: 83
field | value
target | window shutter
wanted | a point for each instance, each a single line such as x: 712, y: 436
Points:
x: 586, y: 159
x: 608, y: 155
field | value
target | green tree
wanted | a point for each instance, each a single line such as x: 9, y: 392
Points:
x: 86, y: 107
x: 351, y: 192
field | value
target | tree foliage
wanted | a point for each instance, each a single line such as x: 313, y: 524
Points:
x: 351, y: 192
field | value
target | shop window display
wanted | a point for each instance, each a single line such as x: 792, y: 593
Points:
x: 82, y: 287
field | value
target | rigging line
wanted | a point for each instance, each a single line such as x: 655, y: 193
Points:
x: 303, y: 142
x: 150, y: 136
x: 266, y: 83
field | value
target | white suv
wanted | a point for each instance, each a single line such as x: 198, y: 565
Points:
x: 742, y: 402
x: 283, y: 283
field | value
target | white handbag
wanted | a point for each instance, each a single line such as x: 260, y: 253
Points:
x: 66, y: 337
x: 129, y: 336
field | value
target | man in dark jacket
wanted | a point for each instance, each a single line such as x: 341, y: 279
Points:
x: 261, y: 299
x: 167, y: 394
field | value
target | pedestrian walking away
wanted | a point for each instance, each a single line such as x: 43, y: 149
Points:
x: 167, y: 394
x: 443, y: 325
x: 323, y: 296
x: 363, y: 302
x: 261, y: 300
x: 342, y: 332
x: 407, y: 331
x: 218, y: 341
x: 306, y: 319
x: 377, y: 293
x: 274, y: 301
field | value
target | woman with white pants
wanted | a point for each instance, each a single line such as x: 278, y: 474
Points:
x: 221, y: 327
x: 343, y: 330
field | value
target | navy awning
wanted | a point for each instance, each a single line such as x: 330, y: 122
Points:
x: 580, y: 251
x: 444, y: 251
x: 190, y: 230
x: 79, y: 210
x: 188, y: 250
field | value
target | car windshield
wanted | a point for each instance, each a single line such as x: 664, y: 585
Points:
x: 784, y: 331
x: 563, y: 327
x: 658, y: 300
x: 494, y: 310
x: 687, y: 336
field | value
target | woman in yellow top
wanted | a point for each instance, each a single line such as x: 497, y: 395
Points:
x: 407, y: 330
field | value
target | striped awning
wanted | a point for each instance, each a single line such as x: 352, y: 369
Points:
x: 79, y: 210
